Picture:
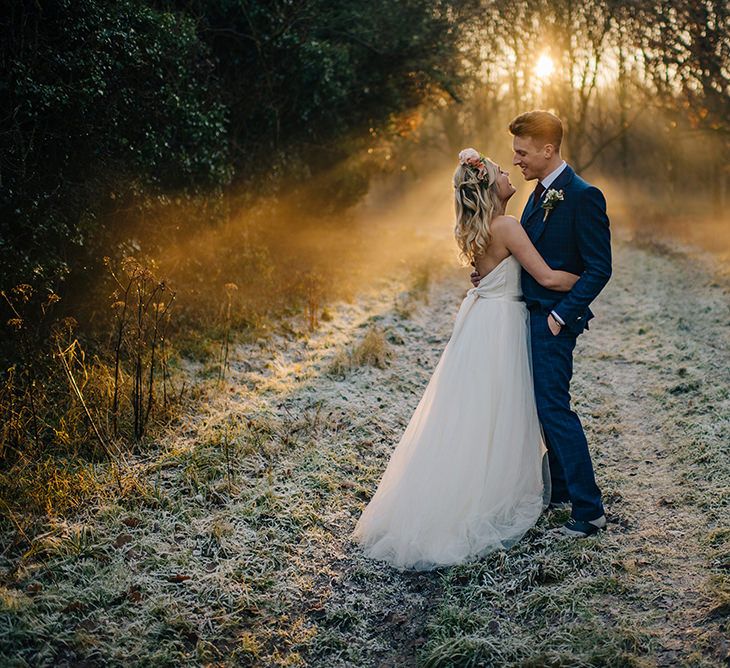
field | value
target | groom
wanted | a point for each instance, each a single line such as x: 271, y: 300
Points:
x: 565, y: 218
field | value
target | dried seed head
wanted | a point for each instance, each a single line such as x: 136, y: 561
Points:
x: 23, y: 292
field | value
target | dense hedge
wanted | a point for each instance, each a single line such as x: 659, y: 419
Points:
x: 103, y: 101
x: 105, y: 105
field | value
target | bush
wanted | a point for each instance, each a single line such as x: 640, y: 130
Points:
x: 111, y: 103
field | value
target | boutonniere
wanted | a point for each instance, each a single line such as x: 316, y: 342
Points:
x: 552, y: 197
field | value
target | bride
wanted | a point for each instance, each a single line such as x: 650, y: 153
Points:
x: 466, y: 477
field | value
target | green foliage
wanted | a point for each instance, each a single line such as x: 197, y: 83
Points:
x: 109, y: 106
x: 103, y: 102
x: 315, y: 71
x: 124, y: 128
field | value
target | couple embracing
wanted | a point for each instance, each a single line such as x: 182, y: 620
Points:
x: 468, y: 475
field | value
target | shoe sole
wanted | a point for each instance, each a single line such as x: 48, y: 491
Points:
x: 569, y: 533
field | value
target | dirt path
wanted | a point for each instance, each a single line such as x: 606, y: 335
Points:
x: 661, y: 363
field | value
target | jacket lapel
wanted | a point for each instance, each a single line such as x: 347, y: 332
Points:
x: 529, y: 209
x: 534, y: 215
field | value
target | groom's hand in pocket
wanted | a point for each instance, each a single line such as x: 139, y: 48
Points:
x: 553, y: 325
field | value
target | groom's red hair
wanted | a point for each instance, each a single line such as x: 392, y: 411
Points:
x: 540, y: 125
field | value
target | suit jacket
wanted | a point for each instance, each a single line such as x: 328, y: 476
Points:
x: 575, y: 238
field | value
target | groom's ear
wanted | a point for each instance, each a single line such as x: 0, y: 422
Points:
x: 548, y: 151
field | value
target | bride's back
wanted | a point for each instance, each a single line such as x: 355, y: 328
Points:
x: 496, y: 250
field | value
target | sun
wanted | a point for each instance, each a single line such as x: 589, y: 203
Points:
x: 544, y: 66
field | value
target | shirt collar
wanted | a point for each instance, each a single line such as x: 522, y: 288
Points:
x: 548, y: 180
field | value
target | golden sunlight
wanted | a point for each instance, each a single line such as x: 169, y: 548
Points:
x: 545, y: 66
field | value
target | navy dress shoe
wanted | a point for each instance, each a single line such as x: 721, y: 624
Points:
x: 578, y: 529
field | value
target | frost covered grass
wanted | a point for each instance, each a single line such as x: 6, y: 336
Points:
x: 544, y: 603
x: 231, y: 544
x: 651, y: 384
x: 372, y: 350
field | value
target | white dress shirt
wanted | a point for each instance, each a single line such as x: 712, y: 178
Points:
x: 550, y: 178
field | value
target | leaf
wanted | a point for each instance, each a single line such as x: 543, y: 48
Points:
x: 134, y: 594
x: 123, y: 539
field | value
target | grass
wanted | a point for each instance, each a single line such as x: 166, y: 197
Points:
x: 695, y: 403
x: 372, y: 350
x: 542, y: 603
x: 229, y: 545
x: 204, y: 555
x: 417, y: 289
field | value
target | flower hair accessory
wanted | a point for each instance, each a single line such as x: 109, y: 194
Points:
x: 472, y: 158
x: 552, y: 197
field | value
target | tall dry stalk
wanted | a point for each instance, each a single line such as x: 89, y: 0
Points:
x: 160, y: 310
x: 142, y: 304
x: 164, y: 360
x: 120, y: 306
x: 313, y: 299
x: 230, y: 289
x: 28, y: 328
x: 68, y: 356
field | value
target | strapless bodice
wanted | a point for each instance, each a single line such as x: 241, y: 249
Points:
x: 499, y: 287
x: 503, y: 282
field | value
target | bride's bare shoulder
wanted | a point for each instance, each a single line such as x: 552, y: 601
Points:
x: 503, y: 223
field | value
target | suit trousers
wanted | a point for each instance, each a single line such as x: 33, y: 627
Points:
x: 571, y: 469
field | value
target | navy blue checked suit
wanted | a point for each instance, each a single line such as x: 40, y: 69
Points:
x: 575, y: 238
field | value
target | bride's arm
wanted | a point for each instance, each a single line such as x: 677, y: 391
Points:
x: 518, y: 243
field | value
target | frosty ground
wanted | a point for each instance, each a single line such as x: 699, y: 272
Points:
x: 234, y: 548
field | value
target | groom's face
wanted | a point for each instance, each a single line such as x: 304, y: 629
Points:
x: 531, y: 156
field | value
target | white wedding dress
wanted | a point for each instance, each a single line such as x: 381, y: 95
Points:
x: 469, y: 474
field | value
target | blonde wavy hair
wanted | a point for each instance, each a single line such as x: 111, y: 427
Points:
x: 476, y: 200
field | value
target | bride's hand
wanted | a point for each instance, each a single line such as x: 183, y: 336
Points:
x: 475, y: 278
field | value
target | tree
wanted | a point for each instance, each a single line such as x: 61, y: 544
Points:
x: 103, y: 103
x: 686, y: 50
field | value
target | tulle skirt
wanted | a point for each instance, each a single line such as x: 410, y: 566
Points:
x: 469, y: 474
